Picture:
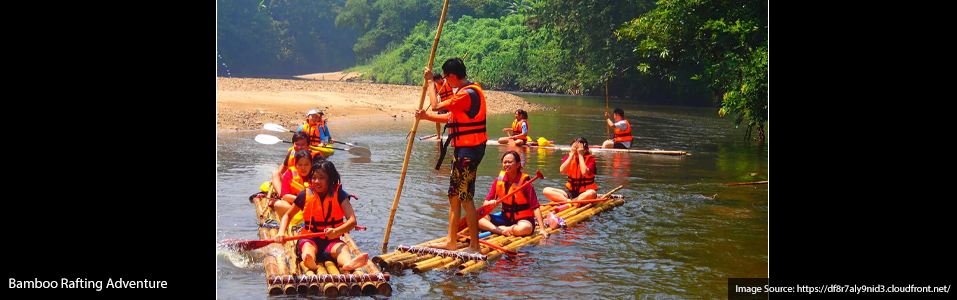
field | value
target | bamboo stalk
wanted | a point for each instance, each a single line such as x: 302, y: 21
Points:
x: 334, y: 270
x: 415, y: 126
x: 607, y: 128
x: 270, y: 262
x: 747, y: 183
x: 291, y: 288
x: 382, y: 287
x: 328, y: 288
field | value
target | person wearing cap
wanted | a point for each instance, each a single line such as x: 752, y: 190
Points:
x: 317, y: 129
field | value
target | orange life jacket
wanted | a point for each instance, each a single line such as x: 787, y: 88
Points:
x: 320, y: 213
x: 516, y: 206
x: 291, y: 158
x: 623, y: 135
x: 444, y: 91
x: 517, y: 128
x: 314, y: 132
x: 467, y: 127
x: 579, y: 182
x: 297, y: 183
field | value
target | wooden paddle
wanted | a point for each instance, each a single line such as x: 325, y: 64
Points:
x: 415, y: 126
x: 487, y: 209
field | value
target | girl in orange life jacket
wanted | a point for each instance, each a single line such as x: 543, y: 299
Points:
x: 295, y: 180
x: 317, y: 129
x: 326, y: 208
x: 520, y: 212
x: 469, y: 135
x: 300, y: 141
x: 519, y: 129
x: 579, y: 167
x: 622, y: 139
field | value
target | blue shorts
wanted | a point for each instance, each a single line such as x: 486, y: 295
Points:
x: 498, y: 219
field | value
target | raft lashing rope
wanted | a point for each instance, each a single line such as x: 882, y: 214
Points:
x: 322, y: 278
x: 443, y: 253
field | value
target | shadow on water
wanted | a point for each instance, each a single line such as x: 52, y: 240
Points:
x: 670, y: 239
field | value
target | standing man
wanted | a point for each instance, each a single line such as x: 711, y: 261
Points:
x: 622, y: 138
x: 468, y: 135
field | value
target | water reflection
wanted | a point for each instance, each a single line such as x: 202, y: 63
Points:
x: 668, y: 240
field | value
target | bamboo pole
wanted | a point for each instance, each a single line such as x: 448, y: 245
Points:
x: 382, y: 287
x: 270, y: 262
x: 747, y: 183
x: 290, y: 287
x: 334, y: 270
x: 399, y: 261
x: 607, y: 128
x: 329, y: 289
x: 415, y: 126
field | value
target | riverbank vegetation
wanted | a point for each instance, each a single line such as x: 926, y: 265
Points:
x: 687, y: 52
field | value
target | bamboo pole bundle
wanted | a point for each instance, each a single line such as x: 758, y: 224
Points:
x: 421, y: 259
x: 381, y: 285
x: 291, y: 286
x: 582, y: 213
x: 334, y: 270
x: 329, y: 278
x: 365, y: 287
x: 385, y: 260
x: 270, y: 262
x: 329, y: 289
x: 441, y: 252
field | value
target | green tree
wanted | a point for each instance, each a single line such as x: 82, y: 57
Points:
x: 724, y: 42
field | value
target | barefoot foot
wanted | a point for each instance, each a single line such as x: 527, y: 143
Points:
x: 357, y: 262
x: 442, y: 245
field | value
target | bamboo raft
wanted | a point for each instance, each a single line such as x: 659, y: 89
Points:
x: 592, y: 148
x: 286, y: 273
x: 422, y: 261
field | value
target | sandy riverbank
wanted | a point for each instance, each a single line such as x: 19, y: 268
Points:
x: 247, y: 103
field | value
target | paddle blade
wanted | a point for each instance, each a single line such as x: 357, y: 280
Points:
x: 245, y: 245
x: 353, y: 144
x: 360, y: 151
x: 267, y: 139
x: 538, y: 174
x: 275, y: 127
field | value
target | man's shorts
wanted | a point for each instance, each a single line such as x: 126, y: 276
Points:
x: 465, y: 162
x: 619, y: 145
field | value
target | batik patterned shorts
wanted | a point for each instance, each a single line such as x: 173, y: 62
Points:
x: 465, y: 164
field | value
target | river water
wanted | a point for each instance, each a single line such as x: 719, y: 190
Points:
x: 669, y: 240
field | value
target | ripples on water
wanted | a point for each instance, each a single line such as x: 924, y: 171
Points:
x: 670, y: 239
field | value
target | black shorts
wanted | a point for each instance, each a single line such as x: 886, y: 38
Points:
x: 619, y: 145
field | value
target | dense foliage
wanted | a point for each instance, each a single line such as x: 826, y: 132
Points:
x: 726, y: 38
x: 693, y: 52
x: 277, y: 37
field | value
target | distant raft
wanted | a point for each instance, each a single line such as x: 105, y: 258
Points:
x: 535, y: 144
x: 286, y: 274
x: 419, y: 260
